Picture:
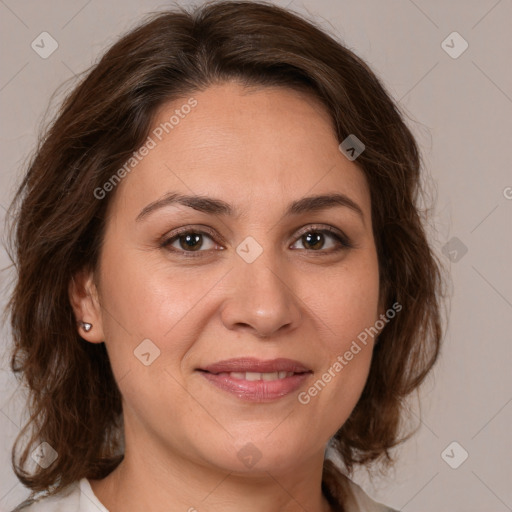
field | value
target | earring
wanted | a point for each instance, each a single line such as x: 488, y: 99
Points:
x: 86, y: 326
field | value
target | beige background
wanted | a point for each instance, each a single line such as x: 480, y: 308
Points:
x: 461, y: 111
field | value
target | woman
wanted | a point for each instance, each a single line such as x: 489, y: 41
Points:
x: 225, y: 290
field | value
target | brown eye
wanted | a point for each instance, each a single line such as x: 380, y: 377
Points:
x: 315, y: 240
x: 189, y: 242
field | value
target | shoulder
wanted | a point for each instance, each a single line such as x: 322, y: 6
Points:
x: 68, y: 500
x: 346, y: 494
x: 364, y: 502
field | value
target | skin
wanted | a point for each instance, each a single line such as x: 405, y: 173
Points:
x: 258, y: 149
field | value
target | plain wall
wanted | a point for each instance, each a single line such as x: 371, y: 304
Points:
x: 460, y: 109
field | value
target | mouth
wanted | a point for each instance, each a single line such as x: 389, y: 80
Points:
x: 254, y: 376
x: 256, y: 380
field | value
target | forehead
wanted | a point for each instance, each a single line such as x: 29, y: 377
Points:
x: 250, y: 147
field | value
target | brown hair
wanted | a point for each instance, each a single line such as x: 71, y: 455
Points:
x: 58, y: 225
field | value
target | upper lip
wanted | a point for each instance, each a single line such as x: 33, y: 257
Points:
x: 251, y: 364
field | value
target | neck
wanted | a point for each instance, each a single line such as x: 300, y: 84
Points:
x: 150, y: 478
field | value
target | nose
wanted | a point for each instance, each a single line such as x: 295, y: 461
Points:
x: 261, y: 298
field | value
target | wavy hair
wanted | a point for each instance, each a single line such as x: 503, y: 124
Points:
x: 56, y: 224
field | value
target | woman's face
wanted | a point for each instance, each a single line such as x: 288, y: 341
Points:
x: 217, y: 337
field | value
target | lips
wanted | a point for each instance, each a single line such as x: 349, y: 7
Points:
x: 256, y: 380
x: 253, y: 376
x: 252, y: 365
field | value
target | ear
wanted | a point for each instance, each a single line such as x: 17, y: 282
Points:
x: 84, y: 299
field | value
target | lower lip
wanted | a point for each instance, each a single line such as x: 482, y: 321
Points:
x: 257, y: 390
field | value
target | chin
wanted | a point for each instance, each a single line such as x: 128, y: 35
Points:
x: 259, y: 454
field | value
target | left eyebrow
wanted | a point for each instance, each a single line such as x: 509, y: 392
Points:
x: 215, y: 206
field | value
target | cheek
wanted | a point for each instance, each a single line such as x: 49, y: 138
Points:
x: 347, y: 304
x: 147, y: 298
x: 145, y: 302
x: 157, y: 301
x: 346, y: 299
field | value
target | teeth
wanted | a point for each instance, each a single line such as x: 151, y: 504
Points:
x: 252, y: 376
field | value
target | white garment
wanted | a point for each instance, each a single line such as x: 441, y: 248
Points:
x: 79, y: 497
x: 362, y: 502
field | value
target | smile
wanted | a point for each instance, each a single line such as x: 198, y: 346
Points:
x: 253, y: 380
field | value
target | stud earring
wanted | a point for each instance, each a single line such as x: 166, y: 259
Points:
x: 86, y: 326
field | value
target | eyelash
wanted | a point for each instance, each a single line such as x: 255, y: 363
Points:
x: 342, y: 240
